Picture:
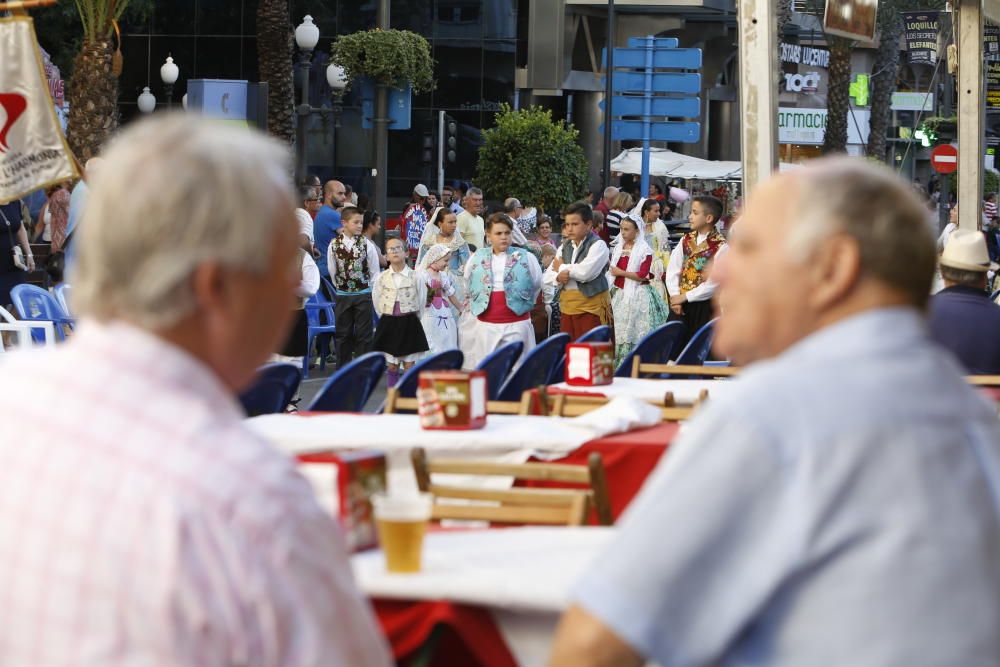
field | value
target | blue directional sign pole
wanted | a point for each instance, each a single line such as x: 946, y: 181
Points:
x: 647, y: 113
x: 609, y: 68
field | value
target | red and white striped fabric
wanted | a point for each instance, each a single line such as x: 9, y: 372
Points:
x: 142, y: 524
x: 989, y: 209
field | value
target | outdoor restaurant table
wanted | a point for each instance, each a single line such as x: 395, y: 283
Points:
x: 628, y: 457
x: 497, y: 593
x: 685, y: 392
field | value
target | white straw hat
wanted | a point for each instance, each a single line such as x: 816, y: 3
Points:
x: 966, y: 250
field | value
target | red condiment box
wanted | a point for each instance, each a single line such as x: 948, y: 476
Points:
x: 590, y: 364
x: 355, y: 476
x: 452, y: 400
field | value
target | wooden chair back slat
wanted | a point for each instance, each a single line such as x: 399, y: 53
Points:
x: 569, y: 506
x: 704, y: 371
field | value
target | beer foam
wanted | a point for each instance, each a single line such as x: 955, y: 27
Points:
x: 402, y: 507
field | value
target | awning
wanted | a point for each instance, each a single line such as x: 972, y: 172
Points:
x: 663, y: 162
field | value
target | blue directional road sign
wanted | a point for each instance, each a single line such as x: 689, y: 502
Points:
x: 675, y: 58
x: 632, y: 130
x: 678, y: 107
x: 658, y: 42
x: 662, y: 82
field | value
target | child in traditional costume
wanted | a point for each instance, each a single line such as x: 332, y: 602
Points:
x: 399, y: 295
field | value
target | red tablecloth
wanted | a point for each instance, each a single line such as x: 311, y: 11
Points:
x: 628, y: 460
x: 467, y: 635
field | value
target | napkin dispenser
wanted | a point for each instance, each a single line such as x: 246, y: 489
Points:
x: 344, y: 483
x: 590, y: 364
x: 452, y: 400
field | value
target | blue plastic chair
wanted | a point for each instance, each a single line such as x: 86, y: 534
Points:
x: 63, y: 292
x: 599, y: 334
x: 349, y: 389
x: 272, y: 391
x: 993, y: 297
x: 34, y: 304
x: 449, y: 360
x: 655, y: 348
x: 317, y: 308
x: 536, y: 369
x: 696, y: 351
x: 497, y: 366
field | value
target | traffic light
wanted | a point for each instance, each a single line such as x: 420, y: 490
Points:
x: 451, y: 138
x: 428, y: 148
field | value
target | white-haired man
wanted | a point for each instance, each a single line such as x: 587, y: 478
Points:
x: 839, y: 506
x: 607, y: 200
x: 141, y: 522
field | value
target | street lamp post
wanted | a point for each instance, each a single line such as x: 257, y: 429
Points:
x: 306, y: 37
x: 168, y: 74
x: 337, y: 78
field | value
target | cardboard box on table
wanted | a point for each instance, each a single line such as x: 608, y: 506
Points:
x: 452, y: 400
x: 590, y: 364
x: 344, y: 483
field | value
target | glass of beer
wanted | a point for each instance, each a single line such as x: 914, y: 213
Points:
x: 401, y: 521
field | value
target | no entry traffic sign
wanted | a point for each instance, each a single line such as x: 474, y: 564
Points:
x: 944, y: 159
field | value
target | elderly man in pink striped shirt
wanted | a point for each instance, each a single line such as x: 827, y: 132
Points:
x: 140, y: 522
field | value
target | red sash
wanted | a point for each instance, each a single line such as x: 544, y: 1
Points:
x: 499, y: 313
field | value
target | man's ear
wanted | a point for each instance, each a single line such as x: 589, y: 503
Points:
x: 835, y: 269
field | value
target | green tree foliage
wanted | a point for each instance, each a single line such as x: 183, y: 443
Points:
x: 386, y: 56
x: 530, y: 156
x: 991, y: 181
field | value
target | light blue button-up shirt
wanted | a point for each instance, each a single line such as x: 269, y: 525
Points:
x: 840, y: 507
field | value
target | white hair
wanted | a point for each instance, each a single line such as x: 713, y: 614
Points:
x: 610, y: 191
x: 873, y: 205
x: 176, y: 191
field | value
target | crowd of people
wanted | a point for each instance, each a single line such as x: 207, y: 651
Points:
x: 453, y: 279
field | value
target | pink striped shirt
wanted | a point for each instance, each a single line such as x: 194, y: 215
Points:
x: 142, y: 524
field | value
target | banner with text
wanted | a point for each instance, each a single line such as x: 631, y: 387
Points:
x: 920, y: 29
x: 993, y: 85
x: 33, y: 150
x: 991, y: 42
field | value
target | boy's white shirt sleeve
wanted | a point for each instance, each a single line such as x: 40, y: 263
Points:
x: 673, y: 277
x: 591, y: 266
x: 374, y: 267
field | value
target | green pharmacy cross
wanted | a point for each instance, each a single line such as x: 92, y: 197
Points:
x: 859, y: 90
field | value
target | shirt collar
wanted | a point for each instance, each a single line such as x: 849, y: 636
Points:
x: 136, y: 350
x: 874, y: 332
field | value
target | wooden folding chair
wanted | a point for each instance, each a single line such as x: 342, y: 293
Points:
x: 569, y: 506
x: 570, y: 405
x: 395, y: 403
x: 673, y: 369
x: 983, y: 380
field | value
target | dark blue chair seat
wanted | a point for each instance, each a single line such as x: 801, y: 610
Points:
x: 449, y: 360
x: 656, y: 348
x: 599, y: 334
x: 349, y: 389
x: 696, y: 351
x: 497, y: 366
x: 536, y: 369
x: 35, y: 304
x: 272, y: 390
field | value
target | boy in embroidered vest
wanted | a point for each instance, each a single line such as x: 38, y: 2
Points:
x: 578, y: 272
x: 353, y: 262
x: 687, y: 279
x: 399, y: 295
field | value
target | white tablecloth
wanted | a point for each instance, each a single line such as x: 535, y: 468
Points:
x: 507, y: 438
x: 522, y: 575
x: 685, y: 391
x: 523, y: 569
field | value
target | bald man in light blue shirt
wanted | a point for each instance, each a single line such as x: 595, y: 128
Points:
x: 841, y: 505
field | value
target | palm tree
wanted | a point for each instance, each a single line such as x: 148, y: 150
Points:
x: 838, y: 99
x: 885, y: 70
x: 274, y: 53
x: 93, y: 88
